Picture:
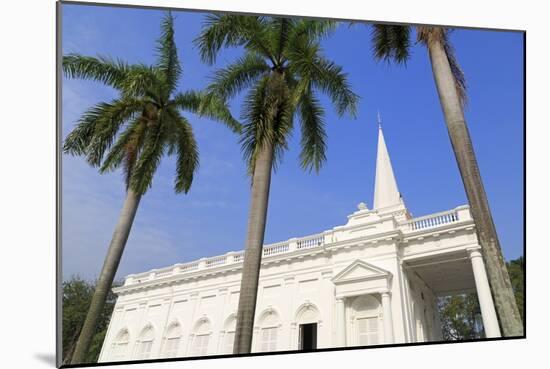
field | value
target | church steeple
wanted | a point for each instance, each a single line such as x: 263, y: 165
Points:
x: 385, y: 187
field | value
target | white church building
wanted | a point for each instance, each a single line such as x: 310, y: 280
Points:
x: 371, y: 281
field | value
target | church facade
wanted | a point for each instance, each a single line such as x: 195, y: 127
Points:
x: 372, y: 281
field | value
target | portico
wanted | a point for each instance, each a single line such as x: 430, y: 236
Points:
x: 363, y: 283
x: 455, y: 272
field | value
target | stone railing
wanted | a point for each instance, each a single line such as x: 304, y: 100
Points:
x: 436, y: 220
x: 419, y: 224
x: 311, y: 241
x: 216, y: 260
x: 233, y: 257
x: 276, y: 248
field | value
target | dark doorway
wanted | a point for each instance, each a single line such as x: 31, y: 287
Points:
x: 308, y: 337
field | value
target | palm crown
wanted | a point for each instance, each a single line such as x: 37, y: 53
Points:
x: 283, y: 68
x: 393, y: 43
x: 144, y: 122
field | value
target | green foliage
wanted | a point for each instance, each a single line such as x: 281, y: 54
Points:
x: 516, y: 270
x: 460, y: 314
x: 393, y: 43
x: 281, y: 72
x: 168, y: 61
x: 135, y: 130
x: 460, y: 317
x: 77, y: 296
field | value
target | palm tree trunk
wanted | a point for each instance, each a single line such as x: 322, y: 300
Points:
x: 110, y: 265
x: 499, y: 279
x: 261, y: 182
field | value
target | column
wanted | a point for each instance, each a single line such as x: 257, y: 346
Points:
x: 387, y: 317
x: 294, y: 337
x: 488, y: 313
x: 340, y: 322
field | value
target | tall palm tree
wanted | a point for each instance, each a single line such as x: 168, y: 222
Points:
x: 392, y: 43
x: 282, y: 70
x: 134, y: 131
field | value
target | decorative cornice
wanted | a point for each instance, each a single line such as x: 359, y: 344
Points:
x: 397, y: 235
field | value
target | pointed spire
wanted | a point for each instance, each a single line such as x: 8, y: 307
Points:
x: 386, y: 192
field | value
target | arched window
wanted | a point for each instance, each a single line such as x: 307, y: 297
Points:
x: 201, y: 339
x: 366, y: 319
x: 172, y: 340
x: 269, y: 327
x: 229, y: 335
x: 145, y: 343
x: 307, y: 313
x: 120, y: 345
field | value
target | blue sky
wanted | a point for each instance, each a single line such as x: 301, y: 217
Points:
x: 211, y: 219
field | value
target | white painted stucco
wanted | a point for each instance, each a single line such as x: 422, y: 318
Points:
x: 373, y: 280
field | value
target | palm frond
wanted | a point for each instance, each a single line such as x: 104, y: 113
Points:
x: 329, y: 78
x: 187, y: 162
x: 267, y: 116
x: 126, y: 141
x: 458, y: 73
x: 307, y: 62
x: 78, y: 140
x: 109, y: 119
x: 135, y: 130
x: 132, y: 150
x: 313, y: 142
x: 147, y: 162
x: 312, y: 29
x: 142, y: 80
x: 282, y: 128
x: 280, y: 28
x: 206, y: 105
x: 255, y: 123
x: 213, y: 107
x: 391, y: 43
x: 100, y: 69
x: 230, y: 30
x: 232, y: 79
x: 168, y: 61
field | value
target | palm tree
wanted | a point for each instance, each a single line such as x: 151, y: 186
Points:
x: 147, y: 115
x: 282, y: 70
x: 392, y: 43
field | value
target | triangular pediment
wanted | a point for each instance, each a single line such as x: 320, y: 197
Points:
x: 360, y: 270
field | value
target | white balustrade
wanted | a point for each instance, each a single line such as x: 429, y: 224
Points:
x: 311, y: 241
x: 163, y: 273
x: 189, y: 266
x: 237, y: 258
x: 217, y: 260
x: 295, y: 244
x: 432, y: 221
x: 277, y: 248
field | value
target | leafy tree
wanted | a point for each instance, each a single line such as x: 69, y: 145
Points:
x: 516, y: 269
x: 282, y: 71
x: 77, y: 295
x: 134, y: 131
x: 460, y: 315
x: 392, y: 43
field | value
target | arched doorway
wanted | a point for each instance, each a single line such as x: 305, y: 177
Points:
x: 307, y: 322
